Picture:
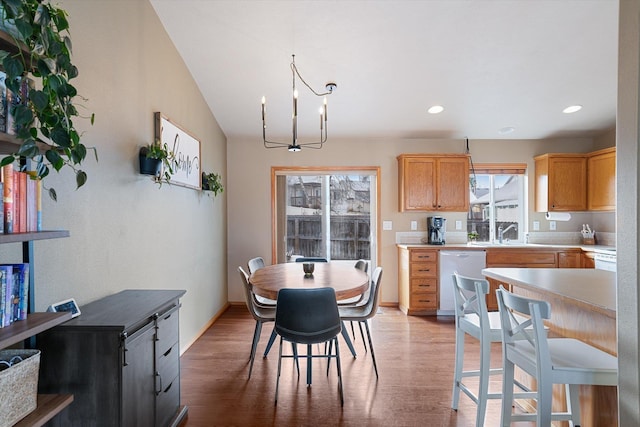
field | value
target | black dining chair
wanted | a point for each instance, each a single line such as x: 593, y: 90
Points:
x: 311, y: 259
x: 309, y: 316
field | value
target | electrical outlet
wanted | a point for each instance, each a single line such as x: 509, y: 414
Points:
x: 387, y: 225
x: 552, y: 225
x: 414, y: 225
x: 536, y: 225
x: 458, y: 225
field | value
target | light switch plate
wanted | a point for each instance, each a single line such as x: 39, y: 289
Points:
x: 458, y: 225
x: 536, y: 225
x: 552, y: 225
x: 414, y: 225
x: 387, y: 225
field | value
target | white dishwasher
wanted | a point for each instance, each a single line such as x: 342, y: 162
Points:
x: 466, y: 263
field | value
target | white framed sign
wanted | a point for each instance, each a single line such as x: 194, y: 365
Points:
x: 186, y: 149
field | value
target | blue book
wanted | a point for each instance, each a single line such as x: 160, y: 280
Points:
x: 21, y: 302
x: 3, y: 296
x: 8, y: 297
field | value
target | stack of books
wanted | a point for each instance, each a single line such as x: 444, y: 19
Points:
x: 21, y: 201
x: 14, y: 293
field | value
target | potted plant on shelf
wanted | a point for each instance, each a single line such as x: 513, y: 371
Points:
x: 156, y: 159
x: 43, y: 119
x: 212, y: 182
x: 473, y: 236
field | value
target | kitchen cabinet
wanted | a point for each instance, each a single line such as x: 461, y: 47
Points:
x: 601, y: 184
x: 418, y: 280
x: 433, y: 182
x: 560, y: 182
x: 120, y: 358
x: 587, y: 260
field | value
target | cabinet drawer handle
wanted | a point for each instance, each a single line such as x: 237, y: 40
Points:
x: 424, y: 269
x: 424, y: 300
x: 158, y: 377
x: 425, y: 285
x: 166, y: 353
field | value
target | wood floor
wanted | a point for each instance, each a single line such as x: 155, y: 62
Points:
x: 415, y: 362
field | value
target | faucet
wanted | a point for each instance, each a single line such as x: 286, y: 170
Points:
x: 501, y: 232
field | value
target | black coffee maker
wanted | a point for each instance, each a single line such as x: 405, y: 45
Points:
x: 437, y: 226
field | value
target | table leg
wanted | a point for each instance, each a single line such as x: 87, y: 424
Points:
x: 345, y: 335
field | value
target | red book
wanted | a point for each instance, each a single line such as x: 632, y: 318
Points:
x: 7, y: 197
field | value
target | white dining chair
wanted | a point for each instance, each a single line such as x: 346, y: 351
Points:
x: 549, y: 361
x: 255, y: 264
x: 362, y: 313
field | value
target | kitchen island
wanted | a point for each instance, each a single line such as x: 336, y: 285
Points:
x: 583, y: 306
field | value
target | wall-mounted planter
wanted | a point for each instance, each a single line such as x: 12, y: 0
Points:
x: 148, y: 166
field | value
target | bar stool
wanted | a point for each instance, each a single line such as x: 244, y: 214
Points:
x: 473, y: 318
x: 549, y: 360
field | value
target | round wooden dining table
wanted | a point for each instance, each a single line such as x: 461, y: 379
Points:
x: 342, y: 276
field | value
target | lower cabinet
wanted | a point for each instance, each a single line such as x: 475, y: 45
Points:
x: 418, y: 280
x: 120, y: 359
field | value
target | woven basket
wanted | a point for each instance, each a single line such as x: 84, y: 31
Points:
x: 18, y: 386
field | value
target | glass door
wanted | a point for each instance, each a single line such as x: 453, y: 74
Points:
x: 328, y: 214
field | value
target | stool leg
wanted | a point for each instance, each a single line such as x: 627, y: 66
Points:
x: 507, y: 392
x: 309, y: 358
x: 483, y: 389
x: 457, y: 370
x: 573, y: 403
x: 278, y: 377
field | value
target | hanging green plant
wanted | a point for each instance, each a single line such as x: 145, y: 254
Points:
x: 43, y: 118
x: 212, y: 182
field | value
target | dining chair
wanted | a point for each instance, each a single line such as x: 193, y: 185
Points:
x: 308, y: 316
x: 255, y: 264
x: 550, y: 361
x: 361, y: 299
x: 260, y: 315
x: 310, y: 259
x: 362, y: 313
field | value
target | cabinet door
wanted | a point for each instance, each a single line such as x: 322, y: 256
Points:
x: 167, y: 366
x: 453, y: 184
x: 567, y: 183
x: 138, y: 397
x: 601, y: 170
x: 569, y: 259
x: 417, y: 181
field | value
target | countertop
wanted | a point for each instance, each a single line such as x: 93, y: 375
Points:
x: 594, y: 289
x: 515, y: 245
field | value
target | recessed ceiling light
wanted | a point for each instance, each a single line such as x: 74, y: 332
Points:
x: 506, y: 130
x: 572, y: 109
x: 436, y: 109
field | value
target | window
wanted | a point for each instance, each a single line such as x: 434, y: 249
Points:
x: 327, y: 212
x: 497, y: 202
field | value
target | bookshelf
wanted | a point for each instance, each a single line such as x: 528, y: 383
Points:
x: 49, y: 405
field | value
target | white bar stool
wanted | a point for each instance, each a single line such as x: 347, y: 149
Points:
x: 473, y: 318
x: 549, y: 360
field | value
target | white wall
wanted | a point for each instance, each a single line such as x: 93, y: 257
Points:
x: 125, y: 232
x: 249, y: 198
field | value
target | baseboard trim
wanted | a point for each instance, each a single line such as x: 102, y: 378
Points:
x: 205, y: 327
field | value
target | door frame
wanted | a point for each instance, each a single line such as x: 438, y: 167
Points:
x: 276, y: 170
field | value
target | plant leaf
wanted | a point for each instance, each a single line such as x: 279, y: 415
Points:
x: 81, y: 178
x: 53, y: 195
x: 7, y: 160
x: 55, y: 159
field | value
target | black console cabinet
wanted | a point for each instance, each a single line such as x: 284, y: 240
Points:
x: 120, y: 359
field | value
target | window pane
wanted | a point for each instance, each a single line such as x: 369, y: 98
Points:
x: 496, y: 207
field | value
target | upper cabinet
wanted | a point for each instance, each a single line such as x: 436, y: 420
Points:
x: 571, y: 182
x: 433, y: 182
x: 561, y: 182
x: 601, y: 186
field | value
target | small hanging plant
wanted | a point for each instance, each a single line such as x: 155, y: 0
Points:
x: 44, y: 117
x: 212, y: 182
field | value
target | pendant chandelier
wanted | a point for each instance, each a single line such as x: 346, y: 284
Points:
x: 295, y: 145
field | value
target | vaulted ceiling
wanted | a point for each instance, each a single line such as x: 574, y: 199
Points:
x: 492, y: 64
